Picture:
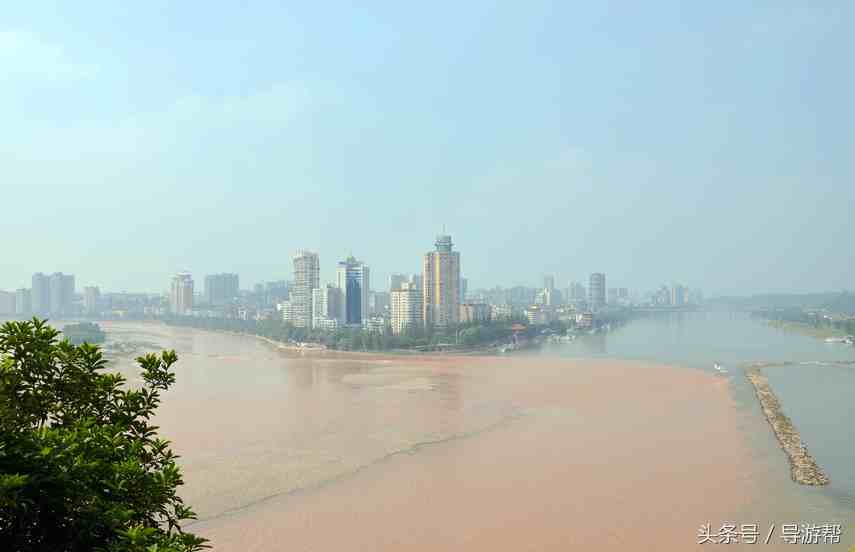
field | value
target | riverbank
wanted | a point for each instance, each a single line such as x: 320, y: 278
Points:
x: 321, y: 350
x: 803, y: 467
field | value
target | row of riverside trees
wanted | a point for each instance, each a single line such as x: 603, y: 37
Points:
x: 470, y: 335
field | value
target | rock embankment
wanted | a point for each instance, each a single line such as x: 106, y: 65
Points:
x: 803, y: 467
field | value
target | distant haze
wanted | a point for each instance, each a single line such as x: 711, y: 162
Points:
x: 709, y: 144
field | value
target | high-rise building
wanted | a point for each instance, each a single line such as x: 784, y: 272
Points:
x: 221, y: 289
x: 40, y: 294
x: 395, y: 281
x: 326, y: 306
x: 56, y: 287
x: 352, y: 278
x: 61, y: 293
x: 181, y: 294
x: 441, y: 292
x: 23, y: 301
x: 597, y: 291
x: 406, y: 307
x: 7, y: 303
x: 307, y: 276
x: 91, y: 300
x: 464, y: 283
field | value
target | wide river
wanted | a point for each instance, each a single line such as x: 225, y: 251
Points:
x: 618, y: 441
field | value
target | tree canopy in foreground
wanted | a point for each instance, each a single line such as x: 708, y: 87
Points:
x: 81, y: 465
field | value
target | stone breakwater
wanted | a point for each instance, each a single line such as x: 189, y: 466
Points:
x: 803, y: 467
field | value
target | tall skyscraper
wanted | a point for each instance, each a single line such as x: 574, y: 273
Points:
x: 181, y: 294
x: 23, y: 301
x: 221, y: 289
x: 464, y: 283
x: 353, y: 279
x: 441, y: 291
x: 60, y: 294
x: 40, y: 294
x: 307, y: 276
x: 91, y: 300
x: 406, y: 307
x: 597, y: 291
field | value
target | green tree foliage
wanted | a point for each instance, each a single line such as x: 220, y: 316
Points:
x: 81, y: 466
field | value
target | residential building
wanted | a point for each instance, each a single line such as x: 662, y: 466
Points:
x: 474, y: 312
x: 91, y: 300
x: 307, y: 275
x: 441, y: 293
x: 326, y: 306
x: 288, y: 312
x: 221, y: 289
x: 23, y: 301
x: 181, y: 294
x: 597, y: 291
x: 7, y: 303
x: 61, y: 294
x: 40, y: 294
x: 352, y: 278
x: 406, y: 307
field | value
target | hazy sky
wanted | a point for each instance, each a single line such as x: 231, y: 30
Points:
x: 710, y: 144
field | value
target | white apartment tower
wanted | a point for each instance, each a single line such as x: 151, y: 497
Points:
x: 181, y: 294
x: 307, y: 275
x: 406, y: 306
x: 441, y: 285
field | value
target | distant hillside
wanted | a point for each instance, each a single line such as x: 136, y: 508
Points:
x: 834, y: 302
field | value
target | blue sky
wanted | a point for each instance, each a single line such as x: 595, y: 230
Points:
x: 709, y: 144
